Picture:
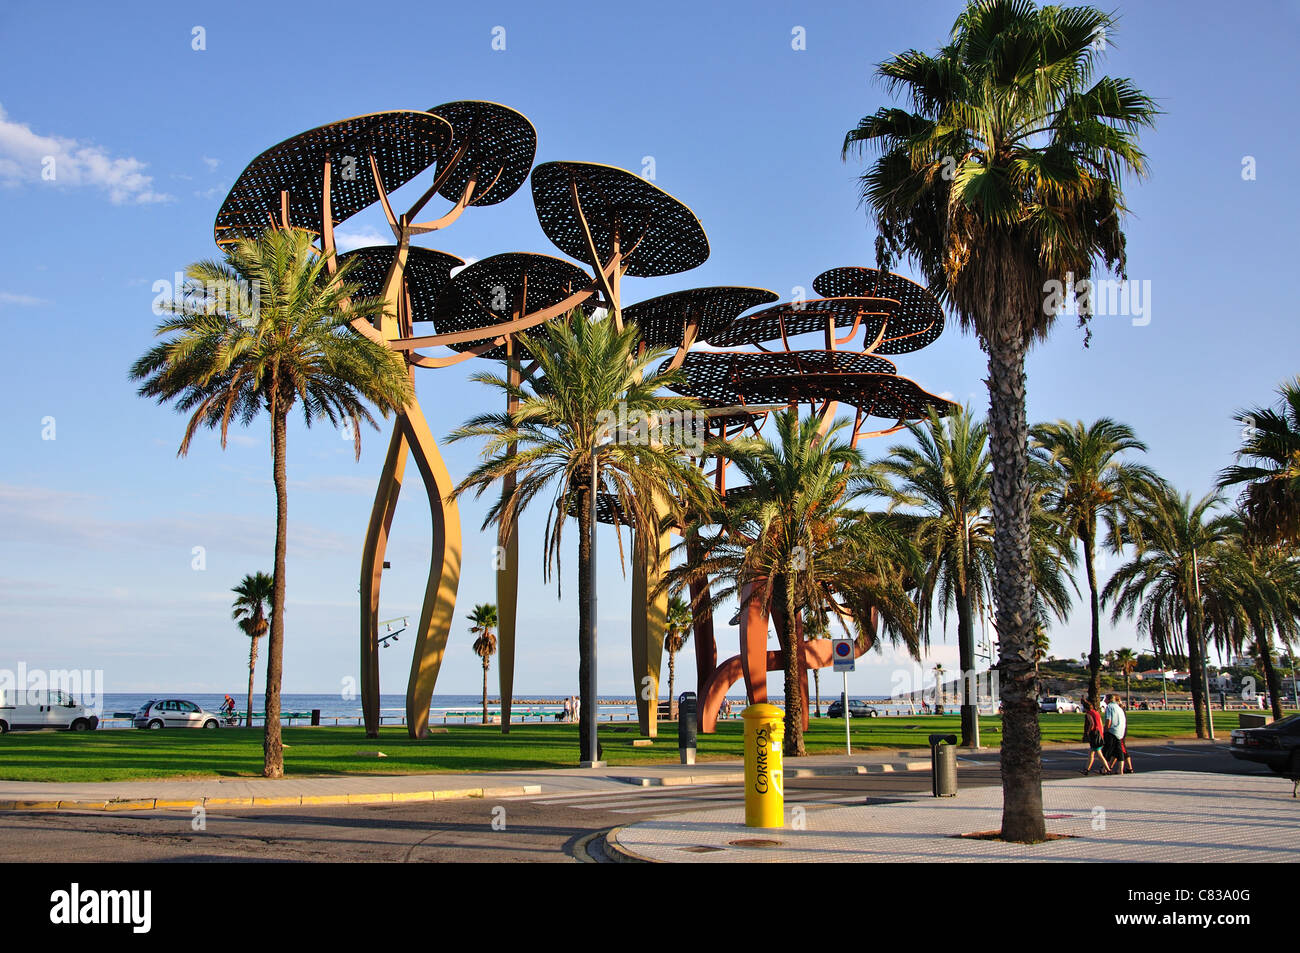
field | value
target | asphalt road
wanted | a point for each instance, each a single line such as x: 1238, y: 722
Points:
x: 532, y: 828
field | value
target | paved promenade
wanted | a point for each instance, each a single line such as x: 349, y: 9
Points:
x: 1150, y: 817
x: 383, y: 789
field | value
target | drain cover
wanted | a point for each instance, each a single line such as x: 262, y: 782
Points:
x: 755, y: 842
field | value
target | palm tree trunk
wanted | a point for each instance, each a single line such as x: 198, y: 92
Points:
x: 1196, y: 673
x: 817, y: 687
x: 970, y: 732
x: 672, y: 676
x: 252, y: 664
x: 793, y: 744
x: 1022, y: 790
x: 1094, y: 656
x: 272, y: 744
x: 586, y: 620
x: 1264, y: 649
x: 485, y: 670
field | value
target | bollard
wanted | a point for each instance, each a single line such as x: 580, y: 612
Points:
x: 764, y: 794
x: 315, y: 718
x: 943, y: 765
x: 687, y: 718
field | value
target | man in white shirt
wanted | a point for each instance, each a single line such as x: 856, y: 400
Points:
x: 1116, y: 729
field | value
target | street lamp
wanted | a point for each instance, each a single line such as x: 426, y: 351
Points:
x: 587, y: 637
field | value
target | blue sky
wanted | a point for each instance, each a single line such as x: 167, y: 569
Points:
x: 148, y: 134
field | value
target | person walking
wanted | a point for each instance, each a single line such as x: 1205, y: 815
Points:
x: 1116, y: 728
x: 1123, y: 738
x: 568, y: 709
x: 1094, y: 735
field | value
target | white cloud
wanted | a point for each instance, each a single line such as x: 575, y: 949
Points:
x: 459, y: 268
x: 346, y: 241
x: 211, y: 163
x: 26, y: 157
x: 28, y: 301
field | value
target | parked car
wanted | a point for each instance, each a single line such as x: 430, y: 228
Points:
x: 44, y: 709
x: 857, y: 709
x: 1276, y: 745
x: 1058, y: 704
x: 174, y: 713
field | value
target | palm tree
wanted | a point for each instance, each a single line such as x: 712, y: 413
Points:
x: 1271, y: 501
x: 1177, y: 546
x: 1090, y: 482
x: 792, y: 540
x: 677, y: 632
x: 1126, y: 662
x: 1263, y: 607
x: 1003, y: 184
x: 250, y: 612
x: 232, y: 356
x: 944, y: 479
x: 944, y: 483
x: 1041, y: 646
x: 484, y: 618
x: 588, y: 371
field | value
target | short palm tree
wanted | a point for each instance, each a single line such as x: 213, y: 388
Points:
x: 1126, y: 663
x: 1042, y: 644
x: 1088, y: 482
x: 1002, y: 177
x: 251, y: 611
x: 587, y: 369
x: 677, y: 632
x: 1177, y: 546
x: 230, y: 356
x: 792, y: 539
x: 1271, y: 471
x: 1263, y: 612
x: 484, y: 619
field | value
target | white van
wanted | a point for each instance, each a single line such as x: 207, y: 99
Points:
x: 44, y: 709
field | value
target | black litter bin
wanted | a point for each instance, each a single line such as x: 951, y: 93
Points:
x: 943, y: 765
x: 688, y: 719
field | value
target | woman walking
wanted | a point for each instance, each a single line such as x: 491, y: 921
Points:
x: 1093, y: 735
x: 1116, y: 729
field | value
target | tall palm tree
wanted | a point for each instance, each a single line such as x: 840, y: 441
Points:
x: 587, y: 370
x: 677, y: 632
x: 1126, y: 663
x: 793, y: 540
x: 1177, y: 544
x: 484, y: 619
x: 1090, y: 482
x: 1002, y: 182
x: 250, y: 611
x: 1271, y: 501
x: 233, y: 356
x: 944, y: 486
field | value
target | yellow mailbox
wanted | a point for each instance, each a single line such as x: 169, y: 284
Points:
x: 764, y: 791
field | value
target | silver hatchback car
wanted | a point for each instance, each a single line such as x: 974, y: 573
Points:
x: 174, y: 713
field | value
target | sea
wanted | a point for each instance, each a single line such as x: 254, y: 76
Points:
x: 335, y: 709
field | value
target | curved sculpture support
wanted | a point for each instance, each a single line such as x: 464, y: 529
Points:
x: 372, y: 568
x: 649, y: 623
x: 816, y: 654
x: 753, y: 644
x: 507, y: 572
x: 444, y: 571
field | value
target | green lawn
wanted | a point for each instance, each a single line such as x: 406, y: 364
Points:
x: 122, y: 755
